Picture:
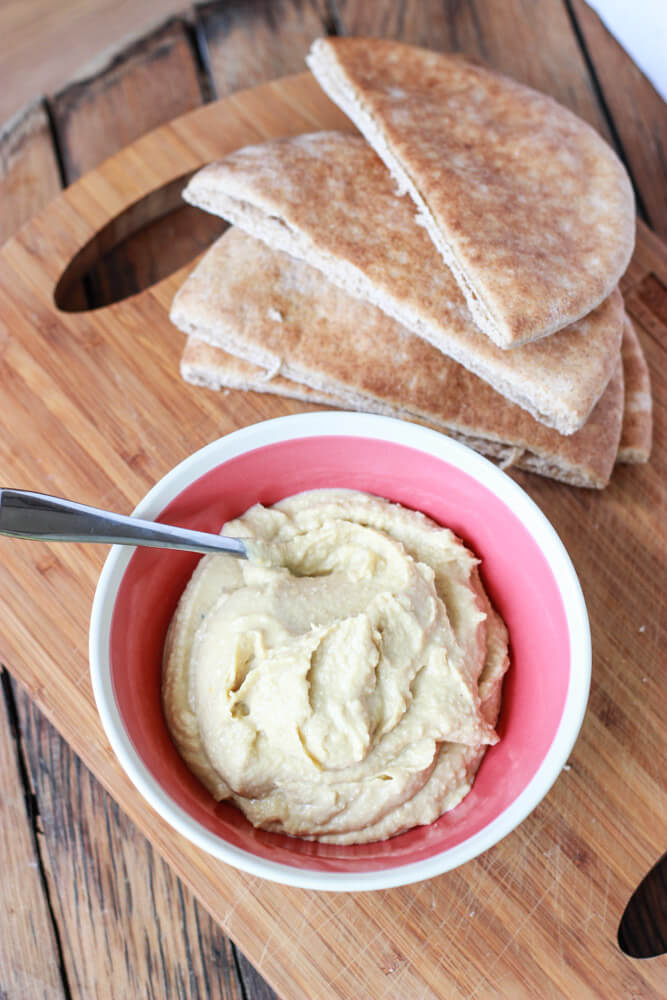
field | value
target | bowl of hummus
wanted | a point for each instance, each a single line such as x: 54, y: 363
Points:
x: 384, y: 690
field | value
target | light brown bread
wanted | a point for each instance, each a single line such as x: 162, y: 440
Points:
x: 637, y: 429
x: 204, y: 365
x: 212, y: 367
x: 307, y: 338
x: 327, y: 198
x: 529, y: 207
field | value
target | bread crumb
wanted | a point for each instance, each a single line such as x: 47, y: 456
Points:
x: 511, y: 458
x: 271, y: 372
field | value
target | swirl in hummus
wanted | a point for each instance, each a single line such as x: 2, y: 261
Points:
x: 347, y: 689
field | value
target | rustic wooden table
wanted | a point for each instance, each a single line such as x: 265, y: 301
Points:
x: 89, y: 908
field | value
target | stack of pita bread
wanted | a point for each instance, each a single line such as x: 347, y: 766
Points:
x: 457, y: 264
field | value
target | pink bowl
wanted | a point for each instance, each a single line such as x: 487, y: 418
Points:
x: 525, y: 568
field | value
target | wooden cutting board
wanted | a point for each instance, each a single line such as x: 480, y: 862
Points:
x: 94, y: 409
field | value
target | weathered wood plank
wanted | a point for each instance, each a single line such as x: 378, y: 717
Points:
x: 155, y: 80
x: 29, y: 174
x: 29, y: 964
x: 44, y: 44
x: 130, y: 928
x: 29, y: 961
x: 251, y: 41
x: 256, y: 988
x: 149, y: 83
x: 638, y: 112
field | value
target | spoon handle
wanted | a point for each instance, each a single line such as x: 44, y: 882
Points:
x: 36, y: 515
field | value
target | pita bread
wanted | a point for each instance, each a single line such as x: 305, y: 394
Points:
x: 211, y: 367
x: 529, y: 207
x: 328, y: 199
x: 637, y: 429
x: 208, y: 366
x: 276, y: 312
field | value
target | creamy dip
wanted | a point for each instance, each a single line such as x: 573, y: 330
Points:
x: 346, y: 687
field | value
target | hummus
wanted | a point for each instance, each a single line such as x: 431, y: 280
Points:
x: 346, y: 688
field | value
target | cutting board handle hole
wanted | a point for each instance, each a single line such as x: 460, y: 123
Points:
x: 642, y: 932
x: 151, y: 239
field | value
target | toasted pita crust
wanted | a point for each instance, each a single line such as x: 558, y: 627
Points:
x: 529, y: 207
x: 211, y: 367
x: 327, y: 199
x: 278, y: 313
x: 637, y: 429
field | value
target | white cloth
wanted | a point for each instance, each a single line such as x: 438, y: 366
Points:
x: 640, y: 26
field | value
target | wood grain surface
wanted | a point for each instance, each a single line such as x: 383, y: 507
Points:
x: 104, y: 884
x: 29, y: 959
x: 90, y: 116
x: 246, y: 44
x: 45, y: 44
x: 243, y: 44
x: 29, y: 171
x: 635, y: 112
x: 574, y: 861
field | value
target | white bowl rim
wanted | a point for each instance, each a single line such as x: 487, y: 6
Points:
x: 360, y: 425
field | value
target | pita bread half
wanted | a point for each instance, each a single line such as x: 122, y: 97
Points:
x: 637, y: 430
x: 208, y: 366
x: 529, y: 207
x: 327, y: 198
x: 211, y: 367
x: 279, y: 314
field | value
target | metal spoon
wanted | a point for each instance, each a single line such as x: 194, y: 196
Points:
x: 36, y: 515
